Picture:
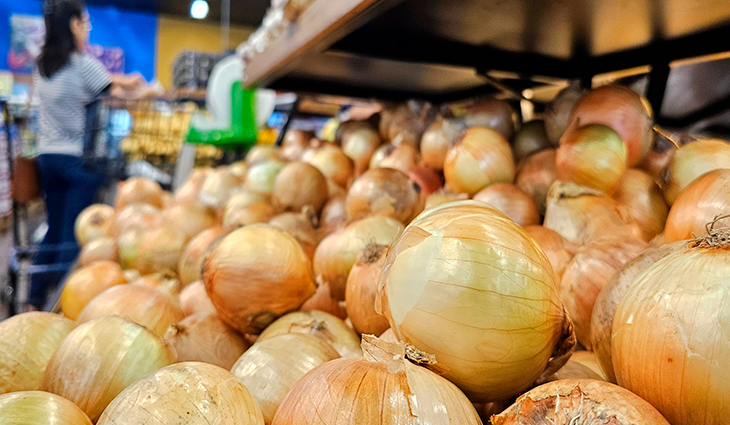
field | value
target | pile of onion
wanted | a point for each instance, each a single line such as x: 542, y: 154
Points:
x: 691, y: 161
x: 97, y: 360
x: 511, y: 201
x: 468, y: 247
x: 261, y: 177
x: 218, y: 187
x: 705, y: 200
x: 333, y: 215
x: 592, y: 156
x: 384, y: 387
x: 557, y: 112
x: 138, y: 190
x: 101, y: 249
x: 558, y: 249
x: 481, y: 157
x: 362, y: 289
x: 258, y: 212
x: 203, y: 337
x: 190, y: 392
x: 262, y: 153
x: 161, y: 249
x: 398, y: 157
x: 192, y: 259
x: 272, y: 367
x: 359, y: 145
x: 586, y: 274
x: 93, y: 223
x: 530, y: 139
x: 384, y: 191
x: 644, y: 200
x: 86, y: 283
x: 334, y: 164
x: 190, y: 219
x: 136, y: 217
x: 300, y: 186
x: 194, y: 299
x: 40, y: 407
x: 535, y: 175
x: 495, y: 114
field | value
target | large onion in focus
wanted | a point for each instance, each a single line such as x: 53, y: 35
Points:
x: 192, y: 259
x: 530, y: 139
x: 703, y: 201
x: 362, y: 289
x: 101, y: 249
x: 334, y: 164
x: 161, y: 249
x: 644, y: 200
x: 592, y: 156
x: 93, y: 223
x: 495, y: 114
x: 558, y: 249
x: 98, y: 360
x: 86, y: 283
x: 481, y: 157
x: 384, y: 191
x: 136, y: 217
x: 300, y: 186
x: 691, y: 161
x: 261, y: 177
x: 39, y: 407
x: 138, y: 190
x: 194, y: 299
x: 190, y: 219
x: 203, y: 337
x: 300, y: 226
x: 333, y: 215
x: 359, y: 145
x: 511, y: 201
x: 456, y: 257
x: 535, y: 175
x: 557, y: 112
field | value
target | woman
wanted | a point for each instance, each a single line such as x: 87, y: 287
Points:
x: 65, y: 82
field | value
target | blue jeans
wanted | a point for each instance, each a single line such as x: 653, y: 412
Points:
x: 68, y: 187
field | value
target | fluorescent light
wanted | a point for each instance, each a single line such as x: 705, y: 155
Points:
x: 199, y: 9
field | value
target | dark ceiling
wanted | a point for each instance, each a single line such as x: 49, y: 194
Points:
x: 243, y: 12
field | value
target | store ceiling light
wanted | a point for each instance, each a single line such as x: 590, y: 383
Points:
x: 199, y: 9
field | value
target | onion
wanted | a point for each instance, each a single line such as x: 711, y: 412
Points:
x: 294, y: 143
x: 467, y: 284
x: 322, y: 300
x: 205, y: 394
x: 480, y: 158
x: 218, y: 187
x: 165, y: 282
x: 621, y: 109
x: 384, y: 387
x: 362, y: 288
x: 28, y: 342
x: 337, y: 253
x: 333, y: 215
x: 426, y: 179
x: 194, y: 299
x: 300, y: 186
x: 98, y: 250
x: 558, y: 249
x: 243, y: 198
x: 262, y: 176
x: 586, y: 274
x: 384, y: 191
x: 359, y: 145
x: 704, y: 200
x: 691, y: 161
x: 557, y: 112
x: 239, y: 170
x: 579, y: 367
x: 128, y: 245
x: 262, y: 153
x: 203, y: 337
x: 190, y: 219
x: 436, y: 142
x: 99, y: 359
x: 271, y: 367
x: 259, y: 212
x: 143, y: 305
x: 443, y: 197
x: 401, y: 158
x: 136, y: 217
x: 199, y: 247
x: 190, y: 190
x: 334, y: 164
x: 300, y: 226
x: 138, y: 190
x: 86, y: 283
x: 661, y: 152
x: 495, y: 114
x: 380, y: 154
x: 334, y: 189
x: 579, y: 401
x: 320, y: 324
x: 389, y: 336
x: 511, y: 201
x: 592, y: 156
x: 530, y: 139
x: 604, y: 309
x: 256, y: 274
x: 308, y: 154
x: 161, y: 250
x: 93, y: 223
x: 40, y: 407
x: 535, y: 175
x: 670, y: 340
x: 581, y: 215
x: 644, y: 200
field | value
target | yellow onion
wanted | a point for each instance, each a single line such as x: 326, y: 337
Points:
x: 380, y: 154
x: 582, y: 365
x: 558, y: 249
x: 166, y: 282
x: 337, y: 253
x: 535, y: 175
x: 86, y: 283
x: 670, y: 342
x: 239, y: 169
x: 218, y: 187
x: 300, y: 186
x: 99, y: 359
x: 662, y: 151
x: 479, y: 158
x: 98, y: 250
x: 294, y: 143
x: 691, y: 161
x: 190, y: 219
x: 194, y: 299
x: 530, y: 139
x: 320, y: 324
x: 334, y: 164
x: 322, y: 300
x: 334, y: 189
x: 256, y: 274
x: 333, y: 215
x: 442, y: 197
x: 192, y: 393
x: 604, y: 309
x: 262, y: 153
x: 703, y: 201
x: 39, y: 407
x: 359, y: 145
x: 203, y: 337
x: 579, y: 401
x: 27, y: 345
x: 308, y: 154
x: 361, y: 291
x: 244, y: 197
x: 258, y: 212
x: 586, y: 274
x: 495, y: 114
x: 581, y: 214
x: 592, y: 156
x: 192, y: 259
x: 511, y: 201
x: 189, y: 192
x: 128, y: 245
x: 143, y: 305
x: 384, y: 191
x: 401, y: 158
x: 161, y: 249
x: 644, y: 200
x: 470, y: 286
x: 426, y: 179
x: 557, y: 112
x: 300, y: 226
x: 136, y: 217
x: 138, y: 190
x: 262, y: 176
x: 382, y: 388
x: 272, y: 367
x: 93, y: 223
x: 436, y: 142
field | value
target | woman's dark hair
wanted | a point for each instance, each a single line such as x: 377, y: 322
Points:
x: 59, y: 43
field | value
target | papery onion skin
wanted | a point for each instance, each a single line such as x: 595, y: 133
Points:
x: 161, y: 249
x: 362, y: 289
x: 112, y: 353
x: 261, y: 177
x: 138, y: 190
x: 194, y: 299
x: 190, y: 219
x: 536, y: 174
x: 101, y: 249
x: 511, y: 201
x: 86, y: 283
x: 205, y: 394
x: 579, y: 401
x: 359, y: 145
x: 192, y: 258
x: 136, y: 217
x: 530, y: 139
x: 258, y: 212
x: 704, y: 200
x: 322, y: 300
x: 494, y: 114
x: 29, y: 340
x: 39, y: 407
x: 644, y: 200
x: 690, y: 162
x: 582, y: 365
x: 92, y: 223
x: 334, y: 164
x: 262, y: 153
x: 479, y: 158
x: 384, y: 191
x: 333, y: 215
x: 464, y: 254
x: 558, y: 249
x: 400, y: 158
x: 203, y: 337
x: 300, y: 186
x: 557, y: 112
x: 300, y: 226
x: 272, y: 367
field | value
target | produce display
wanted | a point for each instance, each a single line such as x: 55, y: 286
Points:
x: 428, y: 266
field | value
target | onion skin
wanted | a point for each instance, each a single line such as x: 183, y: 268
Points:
x: 557, y: 112
x: 188, y: 193
x: 333, y: 216
x: 494, y: 114
x: 40, y: 407
x: 427, y: 180
x: 136, y: 217
x: 199, y: 247
x: 443, y: 197
x: 530, y: 139
x: 435, y: 144
x: 334, y: 164
x: 359, y: 145
x: 272, y: 367
x: 579, y: 401
x: 138, y: 190
x: 294, y: 143
x: 558, y: 249
x: 86, y: 283
x: 256, y: 274
x: 300, y: 186
x: 101, y: 249
x: 262, y: 153
x: 705, y: 199
x: 194, y: 299
x: 401, y: 158
x: 690, y: 162
x: 656, y: 160
x: 203, y: 337
x: 161, y: 250
x: 167, y: 283
x: 93, y: 223
x: 362, y: 289
x: 300, y: 226
x: 644, y: 200
x: 481, y: 157
x: 28, y: 342
x: 128, y: 244
x: 582, y: 365
x: 384, y: 191
x: 190, y: 219
x: 586, y: 274
x: 243, y: 198
x: 536, y: 174
x: 262, y: 176
x: 206, y: 394
x: 112, y: 353
x: 511, y: 201
x: 322, y: 300
x: 258, y: 212
x: 239, y: 169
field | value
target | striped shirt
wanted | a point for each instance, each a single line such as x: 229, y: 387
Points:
x: 62, y: 102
